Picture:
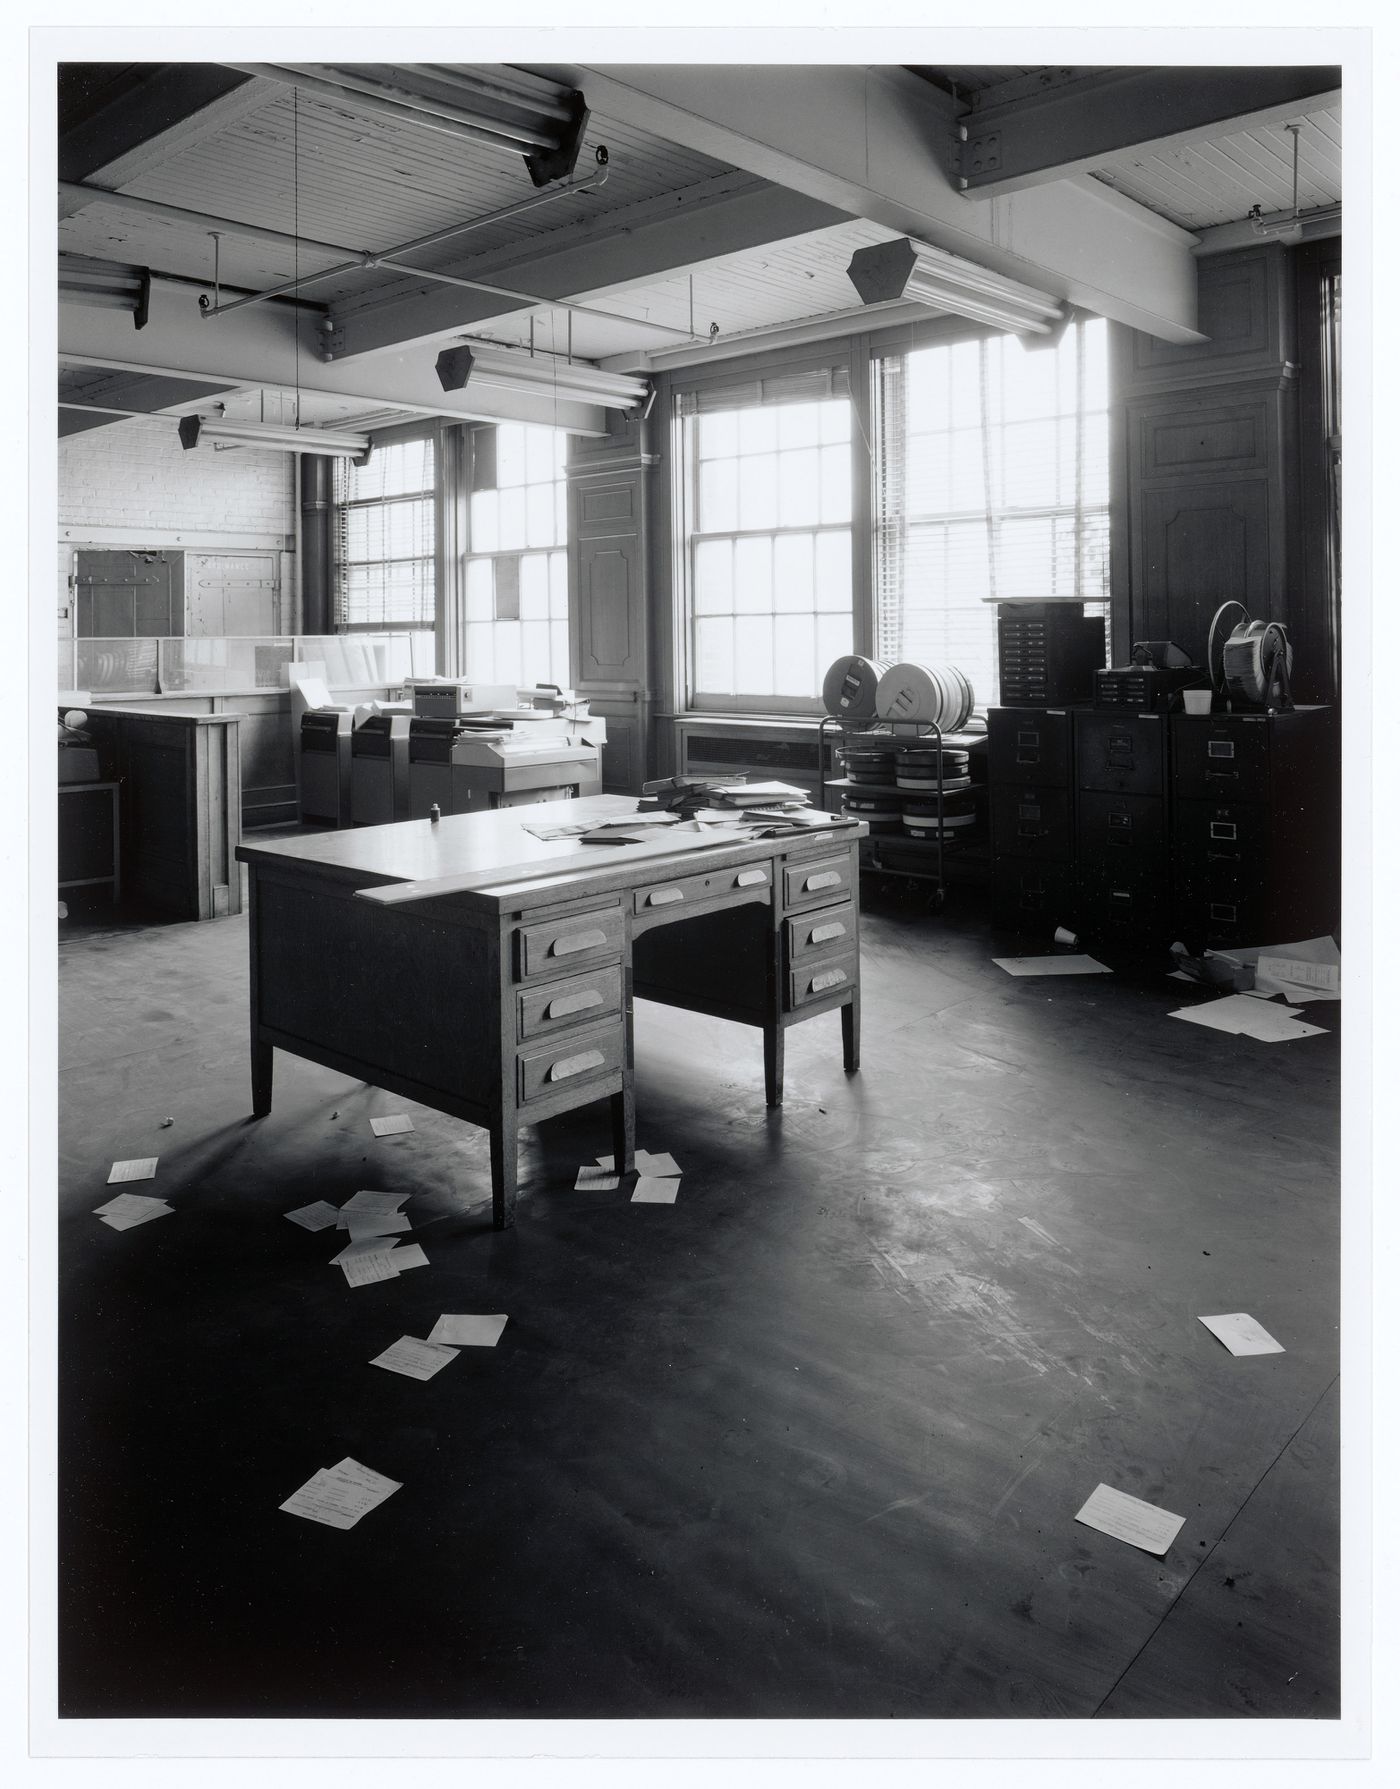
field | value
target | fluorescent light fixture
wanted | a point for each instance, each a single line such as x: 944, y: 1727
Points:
x: 108, y: 287
x: 194, y: 429
x: 915, y: 272
x: 1297, y: 226
x: 505, y: 369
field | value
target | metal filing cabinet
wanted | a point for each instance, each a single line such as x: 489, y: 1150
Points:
x: 1030, y: 769
x: 1122, y: 855
x: 1256, y: 826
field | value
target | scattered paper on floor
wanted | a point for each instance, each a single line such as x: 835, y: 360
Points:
x: 340, y: 1495
x: 663, y: 1164
x: 470, y: 1331
x: 413, y: 1358
x: 367, y: 1245
x: 1241, y: 1334
x: 1130, y: 1519
x: 411, y: 1255
x: 1076, y: 964
x: 391, y: 1126
x: 319, y: 1216
x: 371, y: 1267
x: 651, y: 1191
x: 128, y: 1210
x: 361, y: 1224
x: 596, y: 1180
x: 142, y: 1169
x: 1245, y: 1017
x: 1299, y: 980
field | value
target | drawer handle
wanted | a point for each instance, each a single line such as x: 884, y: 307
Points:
x: 827, y: 879
x: 1222, y: 776
x: 663, y: 897
x: 574, y: 1065
x: 820, y: 934
x: 1222, y: 857
x: 747, y: 878
x: 572, y: 942
x: 829, y: 978
x: 573, y: 1003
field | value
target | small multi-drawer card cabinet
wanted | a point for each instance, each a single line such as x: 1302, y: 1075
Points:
x: 817, y: 881
x: 570, y: 941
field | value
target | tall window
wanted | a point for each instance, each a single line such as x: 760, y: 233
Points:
x: 517, y: 588
x: 992, y: 486
x: 385, y: 569
x: 767, y: 543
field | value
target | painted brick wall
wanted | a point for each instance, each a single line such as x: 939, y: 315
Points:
x: 132, y: 484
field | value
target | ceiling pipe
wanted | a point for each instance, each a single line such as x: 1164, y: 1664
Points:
x: 488, y: 88
x: 489, y: 136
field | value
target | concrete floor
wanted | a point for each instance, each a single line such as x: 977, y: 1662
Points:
x: 808, y: 1443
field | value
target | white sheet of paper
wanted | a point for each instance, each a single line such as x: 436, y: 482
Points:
x: 1237, y: 1013
x: 1241, y: 1334
x: 655, y: 1192
x: 375, y: 1202
x: 1298, y: 979
x: 657, y: 1164
x: 1130, y: 1519
x: 143, y: 1168
x: 391, y: 1126
x: 129, y: 1202
x: 468, y: 1331
x: 1295, y: 1028
x: 128, y: 1219
x: 596, y: 1180
x: 413, y: 1358
x: 1179, y: 975
x: 366, y: 1245
x: 369, y: 1268
x: 1076, y: 964
x: 340, y: 1495
x: 361, y: 1224
x: 411, y: 1255
x: 319, y: 1216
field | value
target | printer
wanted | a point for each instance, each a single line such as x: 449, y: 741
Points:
x: 464, y: 764
x: 449, y: 696
x: 324, y: 764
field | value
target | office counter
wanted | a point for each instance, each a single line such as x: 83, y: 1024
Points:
x: 508, y: 998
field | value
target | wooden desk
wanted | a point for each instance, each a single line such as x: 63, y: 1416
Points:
x: 509, y: 1001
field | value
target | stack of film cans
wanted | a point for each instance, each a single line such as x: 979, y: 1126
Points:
x: 895, y: 791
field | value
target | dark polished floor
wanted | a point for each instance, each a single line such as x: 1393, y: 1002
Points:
x: 809, y: 1443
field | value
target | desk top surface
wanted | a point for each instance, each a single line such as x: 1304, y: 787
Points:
x: 494, y: 848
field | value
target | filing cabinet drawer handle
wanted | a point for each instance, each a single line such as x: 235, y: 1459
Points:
x: 664, y: 897
x: 747, y: 878
x: 1222, y: 776
x: 1222, y: 857
x: 1122, y: 896
x: 573, y: 942
x: 827, y: 879
x: 574, y: 1065
x: 829, y: 978
x: 573, y: 1003
x: 820, y: 934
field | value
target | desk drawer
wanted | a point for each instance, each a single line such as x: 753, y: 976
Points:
x: 817, y: 881
x: 583, y: 1000
x: 819, y: 979
x: 569, y: 1062
x: 824, y: 933
x: 572, y: 941
x: 682, y: 891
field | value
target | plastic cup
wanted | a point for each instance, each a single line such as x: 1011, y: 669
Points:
x: 1197, y: 701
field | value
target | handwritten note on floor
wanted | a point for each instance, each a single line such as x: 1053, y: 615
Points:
x: 596, y: 1180
x: 319, y: 1216
x: 468, y: 1331
x: 370, y: 1267
x: 1130, y: 1519
x: 142, y: 1169
x: 413, y: 1358
x: 1241, y: 1334
x: 340, y: 1495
